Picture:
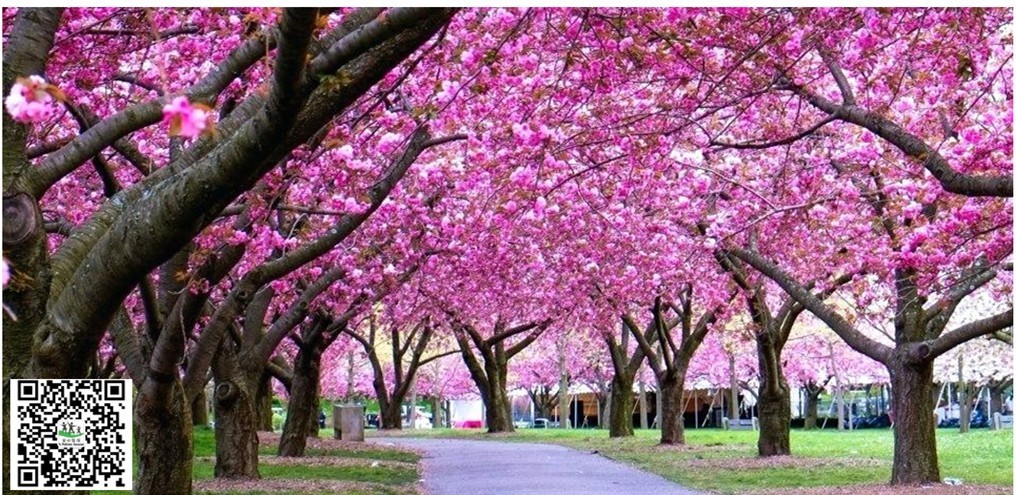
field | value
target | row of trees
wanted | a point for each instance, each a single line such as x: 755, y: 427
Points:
x: 467, y: 181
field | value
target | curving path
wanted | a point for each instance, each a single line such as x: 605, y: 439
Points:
x: 481, y: 467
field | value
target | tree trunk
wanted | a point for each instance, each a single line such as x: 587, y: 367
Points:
x: 963, y: 391
x: 773, y: 400
x: 199, y: 409
x: 774, y: 421
x: 499, y: 412
x: 412, y: 409
x: 350, y: 375
x: 165, y: 447
x: 264, y: 403
x: 811, y: 407
x: 643, y: 412
x: 915, y: 457
x: 995, y: 390
x: 563, y: 400
x: 391, y: 415
x: 315, y: 428
x: 622, y: 402
x: 438, y: 421
x: 671, y: 415
x: 604, y: 419
x: 28, y: 289
x: 302, y: 415
x: 733, y: 410
x: 236, y: 439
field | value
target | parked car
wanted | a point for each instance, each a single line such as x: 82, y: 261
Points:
x: 372, y: 420
x: 545, y: 423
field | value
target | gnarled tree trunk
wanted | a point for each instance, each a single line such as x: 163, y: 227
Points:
x: 302, y: 416
x: 236, y: 439
x: 263, y: 399
x: 165, y: 446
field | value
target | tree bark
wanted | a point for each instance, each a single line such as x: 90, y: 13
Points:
x: 671, y: 417
x: 315, y: 428
x: 643, y: 407
x: 391, y: 415
x: 915, y: 456
x: 605, y: 408
x: 962, y: 392
x: 263, y: 399
x: 733, y: 410
x: 199, y: 409
x: 165, y: 446
x: 438, y: 420
x: 995, y: 390
x: 622, y: 403
x: 498, y: 408
x: 563, y: 400
x: 302, y: 415
x: 774, y: 421
x: 236, y: 440
x: 812, y: 393
x: 773, y: 399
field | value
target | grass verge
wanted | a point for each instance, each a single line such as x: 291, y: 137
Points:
x: 330, y: 467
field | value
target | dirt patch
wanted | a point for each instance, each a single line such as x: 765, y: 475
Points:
x: 316, y: 461
x: 784, y: 461
x: 286, y: 485
x: 888, y: 490
x: 272, y: 440
x: 712, y: 447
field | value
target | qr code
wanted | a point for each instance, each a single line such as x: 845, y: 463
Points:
x: 71, y: 434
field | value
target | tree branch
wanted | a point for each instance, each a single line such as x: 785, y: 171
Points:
x: 928, y: 350
x: 841, y: 79
x: 750, y: 145
x: 955, y: 182
x: 846, y: 331
x: 529, y: 339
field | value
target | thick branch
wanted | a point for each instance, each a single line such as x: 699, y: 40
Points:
x: 138, y: 116
x: 928, y: 350
x: 955, y: 182
x: 837, y: 323
x: 645, y: 343
x: 529, y: 339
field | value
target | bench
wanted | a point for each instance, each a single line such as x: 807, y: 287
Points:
x: 740, y: 424
x: 1002, y: 421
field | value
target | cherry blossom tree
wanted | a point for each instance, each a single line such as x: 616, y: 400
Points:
x: 226, y: 193
x: 158, y: 204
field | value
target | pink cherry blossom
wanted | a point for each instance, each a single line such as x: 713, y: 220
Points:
x: 185, y: 119
x: 30, y: 100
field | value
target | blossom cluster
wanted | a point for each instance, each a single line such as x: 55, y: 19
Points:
x: 32, y: 99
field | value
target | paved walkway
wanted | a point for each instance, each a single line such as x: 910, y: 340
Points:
x: 481, y: 467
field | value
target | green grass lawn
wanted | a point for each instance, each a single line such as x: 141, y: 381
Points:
x: 726, y: 461
x: 393, y: 474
